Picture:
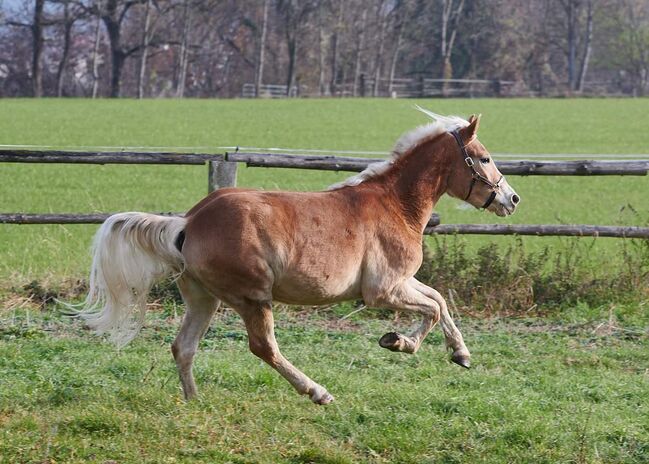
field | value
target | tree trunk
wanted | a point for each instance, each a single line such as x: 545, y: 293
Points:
x: 291, y: 42
x: 111, y: 19
x: 116, y: 73
x: 322, y: 51
x: 395, y: 59
x: 184, y: 54
x: 259, y: 78
x: 67, y: 35
x: 572, y: 42
x: 378, y: 60
x: 145, y: 50
x: 587, y: 48
x: 335, y: 38
x: 37, y: 49
x: 95, y: 54
x: 359, y: 53
x: 448, y: 42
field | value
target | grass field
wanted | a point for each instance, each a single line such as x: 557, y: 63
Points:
x: 508, y: 126
x: 571, y: 387
x: 540, y: 391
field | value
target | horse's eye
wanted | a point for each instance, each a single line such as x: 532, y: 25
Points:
x: 485, y: 160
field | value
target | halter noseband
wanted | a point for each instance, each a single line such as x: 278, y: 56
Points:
x: 475, y: 175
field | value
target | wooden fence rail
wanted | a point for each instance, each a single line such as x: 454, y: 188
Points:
x: 120, y: 157
x: 61, y: 218
x: 570, y: 230
x: 317, y: 162
x: 433, y: 227
x: 97, y: 218
x: 222, y: 172
x: 520, y: 168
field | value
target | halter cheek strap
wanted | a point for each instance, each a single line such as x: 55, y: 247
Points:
x: 475, y: 175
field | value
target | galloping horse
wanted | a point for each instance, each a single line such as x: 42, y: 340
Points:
x: 359, y: 239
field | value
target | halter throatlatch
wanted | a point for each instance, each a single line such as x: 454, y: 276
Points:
x: 475, y: 175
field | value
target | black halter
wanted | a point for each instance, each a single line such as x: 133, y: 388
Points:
x: 475, y: 175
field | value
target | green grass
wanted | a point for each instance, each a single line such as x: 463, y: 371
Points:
x: 516, y: 126
x: 540, y: 391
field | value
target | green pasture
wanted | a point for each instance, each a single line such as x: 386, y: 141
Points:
x: 508, y: 126
x: 540, y: 391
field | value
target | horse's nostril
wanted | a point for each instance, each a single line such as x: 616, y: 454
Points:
x: 515, y: 199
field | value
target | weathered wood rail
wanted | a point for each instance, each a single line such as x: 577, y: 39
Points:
x: 520, y: 168
x: 222, y: 172
x: 433, y: 227
x: 570, y: 230
x: 61, y: 218
x: 98, y: 218
x: 120, y: 157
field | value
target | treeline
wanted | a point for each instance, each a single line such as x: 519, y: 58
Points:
x: 230, y: 48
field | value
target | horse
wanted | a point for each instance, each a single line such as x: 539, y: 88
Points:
x: 359, y: 239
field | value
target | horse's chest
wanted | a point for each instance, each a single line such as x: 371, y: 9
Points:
x: 399, y: 255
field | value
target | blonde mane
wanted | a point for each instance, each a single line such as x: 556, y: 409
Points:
x: 406, y: 143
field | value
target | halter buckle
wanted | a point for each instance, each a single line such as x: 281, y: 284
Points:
x: 469, y: 161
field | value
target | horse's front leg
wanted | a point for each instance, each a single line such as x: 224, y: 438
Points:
x: 453, y: 336
x: 405, y: 297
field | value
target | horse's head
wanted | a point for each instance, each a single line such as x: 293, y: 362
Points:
x: 474, y: 177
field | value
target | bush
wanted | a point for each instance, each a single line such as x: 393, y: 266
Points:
x: 513, y: 281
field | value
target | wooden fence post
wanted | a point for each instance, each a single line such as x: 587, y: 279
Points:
x: 221, y: 174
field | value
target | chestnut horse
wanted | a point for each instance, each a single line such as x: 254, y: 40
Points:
x: 247, y: 248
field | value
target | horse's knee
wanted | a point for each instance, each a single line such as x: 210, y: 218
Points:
x: 183, y: 356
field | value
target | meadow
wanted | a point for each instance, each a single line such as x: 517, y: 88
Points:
x: 540, y: 391
x: 570, y: 387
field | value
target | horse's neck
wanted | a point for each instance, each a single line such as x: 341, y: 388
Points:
x: 420, y: 179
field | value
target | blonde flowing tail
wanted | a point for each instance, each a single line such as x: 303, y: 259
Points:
x: 131, y: 252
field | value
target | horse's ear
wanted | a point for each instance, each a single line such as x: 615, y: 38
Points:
x: 472, y: 129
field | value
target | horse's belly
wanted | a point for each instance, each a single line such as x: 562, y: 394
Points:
x: 314, y: 288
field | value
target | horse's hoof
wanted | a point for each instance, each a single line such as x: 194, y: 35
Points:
x: 392, y: 341
x: 324, y: 398
x: 461, y: 359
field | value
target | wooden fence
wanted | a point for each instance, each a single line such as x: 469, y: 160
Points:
x: 222, y: 172
x: 268, y: 91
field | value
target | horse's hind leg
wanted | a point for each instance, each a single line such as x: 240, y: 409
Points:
x: 453, y: 336
x: 259, y: 321
x: 201, y: 306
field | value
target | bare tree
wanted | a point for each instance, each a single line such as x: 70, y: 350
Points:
x: 36, y: 29
x: 631, y: 46
x: 322, y: 50
x: 294, y: 14
x: 401, y: 12
x: 37, y: 37
x: 588, y: 47
x: 184, y: 50
x: 113, y: 13
x: 360, y: 49
x: 259, y: 78
x: 381, y: 21
x: 95, y: 50
x: 335, y: 40
x: 145, y: 49
x: 451, y: 13
x: 70, y: 16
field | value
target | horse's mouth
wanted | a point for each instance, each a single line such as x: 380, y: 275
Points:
x: 504, y: 211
